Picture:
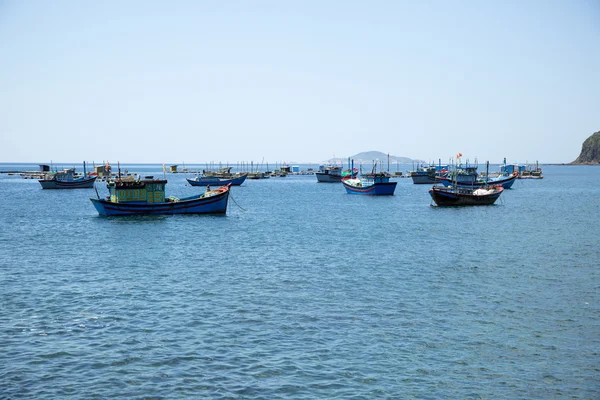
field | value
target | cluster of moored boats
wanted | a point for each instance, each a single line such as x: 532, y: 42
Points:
x: 457, y: 185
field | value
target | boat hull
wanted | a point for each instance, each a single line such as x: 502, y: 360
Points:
x: 506, y: 183
x: 421, y: 179
x: 216, y: 204
x: 329, y: 178
x: 76, y: 184
x: 375, y: 189
x: 462, y: 197
x: 205, y: 181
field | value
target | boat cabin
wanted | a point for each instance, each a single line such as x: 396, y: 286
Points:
x: 510, y: 169
x: 66, y: 175
x: 149, y: 191
x: 330, y: 169
x: 377, y: 177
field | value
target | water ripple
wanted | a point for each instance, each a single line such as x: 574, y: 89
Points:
x: 311, y: 293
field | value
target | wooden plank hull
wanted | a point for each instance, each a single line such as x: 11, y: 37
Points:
x: 375, y: 189
x: 87, y: 183
x: 205, y: 181
x: 422, y: 179
x: 329, y: 178
x: 506, y: 183
x: 462, y: 197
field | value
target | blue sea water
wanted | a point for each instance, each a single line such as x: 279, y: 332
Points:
x: 302, y: 291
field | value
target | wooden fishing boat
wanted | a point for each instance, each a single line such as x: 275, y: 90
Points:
x: 374, y: 183
x: 374, y: 187
x: 334, y: 173
x: 428, y: 174
x: 66, y: 179
x: 147, y: 197
x: 216, y: 181
x: 532, y: 173
x: 329, y: 173
x: 468, y: 195
x: 505, y: 181
x: 459, y: 196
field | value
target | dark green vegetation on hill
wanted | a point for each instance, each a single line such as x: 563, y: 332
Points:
x: 590, y: 151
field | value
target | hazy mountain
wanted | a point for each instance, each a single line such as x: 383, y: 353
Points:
x: 369, y: 156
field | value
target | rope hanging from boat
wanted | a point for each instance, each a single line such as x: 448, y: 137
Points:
x: 236, y: 203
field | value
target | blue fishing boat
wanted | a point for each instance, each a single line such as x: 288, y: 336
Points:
x: 216, y: 181
x: 505, y: 181
x: 374, y: 184
x: 66, y: 179
x: 462, y: 174
x: 369, y: 186
x: 147, y: 197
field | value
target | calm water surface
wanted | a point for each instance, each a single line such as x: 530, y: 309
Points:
x: 303, y: 291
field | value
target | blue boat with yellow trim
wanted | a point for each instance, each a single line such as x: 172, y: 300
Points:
x: 147, y: 197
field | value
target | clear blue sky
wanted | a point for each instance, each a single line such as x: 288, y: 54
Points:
x: 198, y: 81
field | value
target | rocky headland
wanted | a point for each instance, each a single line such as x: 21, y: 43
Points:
x: 590, y: 151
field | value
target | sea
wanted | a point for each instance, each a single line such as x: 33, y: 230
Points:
x: 302, y: 291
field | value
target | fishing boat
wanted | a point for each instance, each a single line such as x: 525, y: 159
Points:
x: 334, y: 173
x: 223, y: 173
x: 377, y: 186
x: 374, y: 183
x: 66, y: 179
x: 505, y: 181
x: 458, y: 196
x: 329, y: 173
x: 462, y: 174
x: 428, y: 174
x: 216, y: 181
x: 532, y: 173
x: 147, y: 197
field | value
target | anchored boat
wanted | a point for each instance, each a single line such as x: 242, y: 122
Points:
x: 376, y: 186
x: 216, y: 181
x: 375, y: 183
x: 147, y: 197
x: 66, y: 179
x: 457, y: 196
x: 505, y: 181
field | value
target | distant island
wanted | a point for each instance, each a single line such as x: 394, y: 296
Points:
x: 370, y: 156
x: 590, y: 151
